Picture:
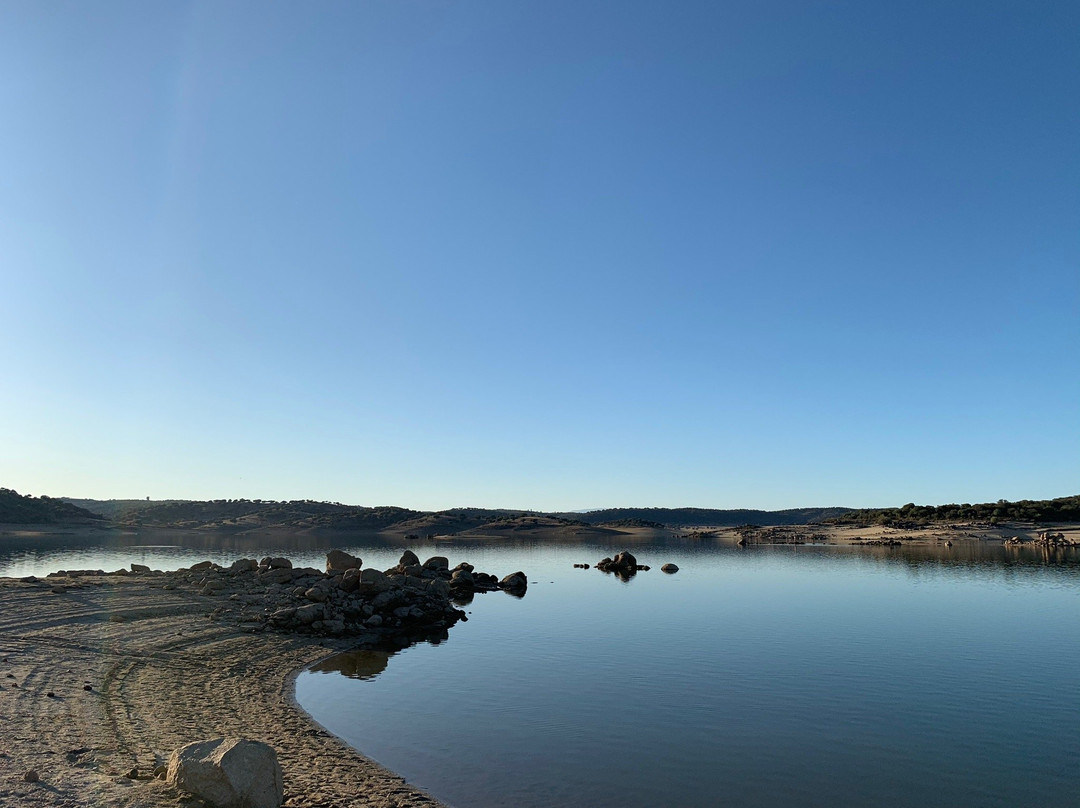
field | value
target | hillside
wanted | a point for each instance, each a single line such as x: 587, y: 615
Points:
x: 248, y: 514
x: 16, y: 509
x: 1063, y: 509
x: 693, y: 517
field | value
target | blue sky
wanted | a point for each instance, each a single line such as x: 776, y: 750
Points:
x: 548, y: 255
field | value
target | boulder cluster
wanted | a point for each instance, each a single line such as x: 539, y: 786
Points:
x: 1046, y: 538
x: 623, y: 565
x: 374, y: 608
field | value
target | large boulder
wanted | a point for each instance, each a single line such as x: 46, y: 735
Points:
x: 409, y: 559
x: 373, y: 582
x: 228, y: 773
x: 339, y: 561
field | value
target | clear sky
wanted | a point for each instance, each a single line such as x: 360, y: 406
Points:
x: 541, y: 254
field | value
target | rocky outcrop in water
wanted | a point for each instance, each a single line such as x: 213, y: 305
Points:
x: 407, y: 602
x: 624, y: 565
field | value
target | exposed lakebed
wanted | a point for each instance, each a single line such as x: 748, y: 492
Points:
x: 784, y: 676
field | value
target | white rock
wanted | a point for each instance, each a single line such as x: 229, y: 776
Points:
x: 228, y: 772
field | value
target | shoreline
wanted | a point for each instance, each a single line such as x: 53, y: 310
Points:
x: 161, y: 675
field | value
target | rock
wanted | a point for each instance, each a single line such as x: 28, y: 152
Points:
x: 515, y: 582
x: 310, y: 613
x: 244, y: 565
x: 132, y: 774
x: 350, y: 580
x: 373, y: 582
x: 316, y: 594
x: 339, y: 561
x: 439, y: 588
x: 462, y: 578
x: 31, y: 776
x: 139, y: 568
x: 669, y: 568
x: 625, y: 560
x: 277, y: 563
x: 282, y: 616
x: 277, y: 575
x: 409, y: 559
x: 228, y: 773
x: 202, y: 565
x: 437, y: 563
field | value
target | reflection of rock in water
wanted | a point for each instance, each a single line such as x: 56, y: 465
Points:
x: 356, y: 664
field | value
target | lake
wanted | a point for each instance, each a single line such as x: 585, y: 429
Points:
x: 758, y: 677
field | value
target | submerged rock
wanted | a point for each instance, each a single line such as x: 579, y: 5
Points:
x: 669, y: 568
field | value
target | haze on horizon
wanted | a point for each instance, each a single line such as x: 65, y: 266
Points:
x: 541, y: 255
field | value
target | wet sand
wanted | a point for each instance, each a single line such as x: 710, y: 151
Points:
x: 161, y: 675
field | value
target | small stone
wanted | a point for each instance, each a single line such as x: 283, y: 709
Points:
x: 50, y: 695
x: 669, y: 568
x: 31, y: 776
x: 133, y: 774
x: 87, y: 687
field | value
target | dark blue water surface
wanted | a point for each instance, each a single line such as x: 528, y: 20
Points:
x: 759, y: 677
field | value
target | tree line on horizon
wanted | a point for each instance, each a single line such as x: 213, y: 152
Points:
x: 1062, y: 509
x: 247, y: 513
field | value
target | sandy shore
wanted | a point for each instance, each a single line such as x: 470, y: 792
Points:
x: 161, y: 675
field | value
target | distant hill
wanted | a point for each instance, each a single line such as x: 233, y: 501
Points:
x: 1063, y: 509
x: 116, y: 508
x: 16, y: 509
x: 692, y: 517
x: 254, y: 513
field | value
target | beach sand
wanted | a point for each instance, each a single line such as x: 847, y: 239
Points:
x: 161, y: 675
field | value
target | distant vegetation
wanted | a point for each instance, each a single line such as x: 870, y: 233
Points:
x: 16, y: 509
x: 694, y: 517
x: 250, y: 514
x: 1063, y: 509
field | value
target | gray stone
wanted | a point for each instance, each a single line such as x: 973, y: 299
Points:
x: 408, y: 559
x: 373, y: 582
x: 244, y: 565
x: 437, y: 563
x: 228, y: 773
x: 669, y: 568
x: 339, y: 561
x: 515, y: 581
x: 316, y: 594
x: 139, y: 568
x: 277, y: 563
x: 350, y: 580
x: 310, y: 613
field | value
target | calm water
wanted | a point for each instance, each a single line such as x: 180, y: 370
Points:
x: 786, y: 676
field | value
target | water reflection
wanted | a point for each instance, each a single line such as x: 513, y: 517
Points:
x: 355, y: 664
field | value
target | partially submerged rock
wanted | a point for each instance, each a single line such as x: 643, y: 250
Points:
x: 669, y: 568
x: 228, y: 773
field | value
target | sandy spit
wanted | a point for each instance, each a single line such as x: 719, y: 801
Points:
x: 161, y: 674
